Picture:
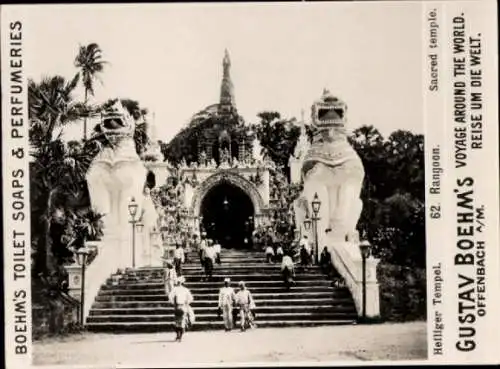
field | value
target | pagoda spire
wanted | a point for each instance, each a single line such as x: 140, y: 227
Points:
x: 227, y: 103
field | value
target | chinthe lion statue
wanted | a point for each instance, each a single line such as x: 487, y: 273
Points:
x: 116, y: 176
x: 116, y: 173
x: 332, y: 169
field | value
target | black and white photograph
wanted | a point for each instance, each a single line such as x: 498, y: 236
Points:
x: 216, y: 184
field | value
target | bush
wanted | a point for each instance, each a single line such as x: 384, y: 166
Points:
x: 402, y: 292
x: 54, y: 312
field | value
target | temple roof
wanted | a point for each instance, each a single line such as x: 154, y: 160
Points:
x: 226, y: 107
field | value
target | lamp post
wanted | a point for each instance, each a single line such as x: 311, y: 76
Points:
x: 140, y: 226
x: 81, y: 255
x: 316, y: 204
x: 365, y: 247
x: 132, y: 209
x: 307, y: 223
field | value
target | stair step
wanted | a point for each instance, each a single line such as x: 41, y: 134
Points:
x: 143, y: 286
x: 138, y: 303
x: 128, y: 327
x: 214, y: 290
x: 218, y: 280
x: 212, y: 310
x: 230, y: 266
x: 336, y: 293
x: 309, y: 315
x: 314, y: 301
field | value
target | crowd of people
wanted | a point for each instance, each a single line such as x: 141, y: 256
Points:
x: 231, y: 303
x: 208, y: 251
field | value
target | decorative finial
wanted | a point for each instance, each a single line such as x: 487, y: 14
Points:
x: 226, y: 60
x: 227, y: 102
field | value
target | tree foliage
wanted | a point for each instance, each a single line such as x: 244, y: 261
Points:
x: 61, y: 216
x: 278, y: 137
x: 393, y: 216
x: 89, y: 62
x: 184, y: 146
x: 51, y: 105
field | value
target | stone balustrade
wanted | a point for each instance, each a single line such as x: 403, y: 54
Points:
x: 347, y: 260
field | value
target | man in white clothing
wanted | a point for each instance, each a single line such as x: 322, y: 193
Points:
x: 210, y: 256
x: 287, y: 270
x: 178, y: 259
x: 181, y: 298
x: 201, y: 251
x: 245, y: 303
x: 226, y: 302
x: 269, y: 254
x: 170, y: 277
x: 217, y: 249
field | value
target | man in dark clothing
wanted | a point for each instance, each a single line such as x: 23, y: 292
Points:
x: 325, y: 262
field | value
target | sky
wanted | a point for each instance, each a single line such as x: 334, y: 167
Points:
x: 169, y: 57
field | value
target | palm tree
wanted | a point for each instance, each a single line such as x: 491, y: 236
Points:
x: 89, y: 61
x: 57, y: 171
x: 57, y: 186
x: 51, y: 105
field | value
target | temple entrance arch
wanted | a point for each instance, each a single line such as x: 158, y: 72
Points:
x: 227, y: 212
x: 229, y: 205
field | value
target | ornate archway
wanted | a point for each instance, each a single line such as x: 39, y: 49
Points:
x: 227, y: 204
x: 231, y: 178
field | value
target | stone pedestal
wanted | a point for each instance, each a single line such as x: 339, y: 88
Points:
x: 74, y: 281
x: 372, y: 289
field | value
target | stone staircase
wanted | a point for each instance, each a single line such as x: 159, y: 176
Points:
x: 139, y: 304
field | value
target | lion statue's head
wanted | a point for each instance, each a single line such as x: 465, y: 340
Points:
x: 329, y: 111
x: 116, y: 120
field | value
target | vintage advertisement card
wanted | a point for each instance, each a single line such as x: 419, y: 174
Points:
x: 250, y: 184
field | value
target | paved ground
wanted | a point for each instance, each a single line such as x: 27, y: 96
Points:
x: 405, y: 341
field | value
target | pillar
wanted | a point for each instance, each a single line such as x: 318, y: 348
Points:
x: 199, y: 151
x: 208, y: 149
x: 241, y: 150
